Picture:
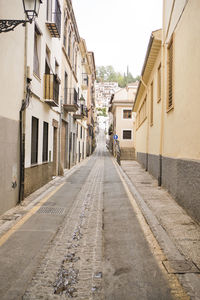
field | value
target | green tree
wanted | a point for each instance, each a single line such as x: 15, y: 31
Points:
x: 108, y: 74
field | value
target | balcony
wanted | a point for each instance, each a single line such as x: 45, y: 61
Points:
x: 84, y: 81
x: 51, y: 89
x: 70, y: 100
x: 81, y: 114
x: 54, y: 18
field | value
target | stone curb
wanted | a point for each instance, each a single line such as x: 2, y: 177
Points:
x: 191, y: 281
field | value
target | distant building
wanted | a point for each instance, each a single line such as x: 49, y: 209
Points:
x: 104, y: 91
x: 122, y: 117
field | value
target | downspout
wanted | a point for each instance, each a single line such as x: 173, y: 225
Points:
x: 22, y: 118
x: 163, y: 104
x: 147, y: 136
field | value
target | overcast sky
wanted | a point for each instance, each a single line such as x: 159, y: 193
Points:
x: 118, y: 31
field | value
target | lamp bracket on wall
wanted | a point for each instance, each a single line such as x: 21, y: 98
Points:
x: 9, y: 25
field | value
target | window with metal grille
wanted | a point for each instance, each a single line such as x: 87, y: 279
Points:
x: 127, y: 114
x: 170, y: 75
x: 45, y: 141
x: 34, y: 141
x: 127, y: 134
x: 159, y: 84
x: 151, y: 111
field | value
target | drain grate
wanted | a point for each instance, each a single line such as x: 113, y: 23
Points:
x: 180, y: 267
x: 51, y: 210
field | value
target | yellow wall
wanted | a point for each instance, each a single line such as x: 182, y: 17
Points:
x: 124, y: 124
x: 182, y: 124
x: 148, y: 136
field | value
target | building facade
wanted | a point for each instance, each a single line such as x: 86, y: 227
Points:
x: 168, y: 137
x: 122, y: 123
x: 44, y: 124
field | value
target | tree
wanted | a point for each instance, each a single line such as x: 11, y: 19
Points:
x: 108, y: 74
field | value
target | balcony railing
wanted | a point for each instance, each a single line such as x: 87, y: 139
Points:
x: 84, y: 111
x: 70, y: 100
x: 54, y: 19
x: 51, y: 89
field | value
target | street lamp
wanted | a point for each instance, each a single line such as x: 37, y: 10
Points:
x: 82, y: 100
x: 31, y: 9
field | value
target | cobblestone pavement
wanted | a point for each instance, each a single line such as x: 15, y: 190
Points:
x: 72, y: 266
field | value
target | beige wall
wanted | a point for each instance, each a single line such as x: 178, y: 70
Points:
x: 12, y: 92
x: 172, y: 10
x: 181, y: 124
x: 124, y: 124
x: 147, y: 135
x: 12, y: 61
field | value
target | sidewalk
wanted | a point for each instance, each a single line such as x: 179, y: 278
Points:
x: 13, y: 215
x: 177, y: 233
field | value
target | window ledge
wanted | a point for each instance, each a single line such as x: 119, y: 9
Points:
x: 37, y: 77
x: 159, y: 99
x: 170, y: 109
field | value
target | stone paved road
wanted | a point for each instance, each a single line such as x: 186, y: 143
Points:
x: 87, y: 241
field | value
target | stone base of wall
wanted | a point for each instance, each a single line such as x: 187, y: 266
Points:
x: 9, y: 164
x: 181, y: 177
x: 36, y: 177
x: 142, y: 159
x: 127, y: 154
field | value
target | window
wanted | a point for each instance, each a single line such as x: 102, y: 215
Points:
x: 77, y: 130
x: 49, y: 10
x: 65, y: 34
x: 127, y: 114
x: 151, y: 111
x: 127, y: 134
x: 36, y: 58
x: 75, y: 66
x: 170, y: 75
x: 45, y: 141
x: 34, y: 141
x: 65, y: 88
x: 159, y: 84
x: 81, y: 133
x: 69, y: 45
x: 48, y: 61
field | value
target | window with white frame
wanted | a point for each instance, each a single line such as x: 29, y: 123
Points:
x: 34, y: 141
x: 127, y: 114
x: 36, y: 57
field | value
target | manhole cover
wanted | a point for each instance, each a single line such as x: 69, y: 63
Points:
x: 51, y: 210
x: 180, y: 266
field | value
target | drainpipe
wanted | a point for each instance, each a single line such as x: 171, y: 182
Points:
x: 22, y: 119
x: 147, y: 136
x: 162, y: 107
x: 60, y: 170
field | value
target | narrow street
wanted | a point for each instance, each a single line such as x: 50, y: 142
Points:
x: 85, y: 239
